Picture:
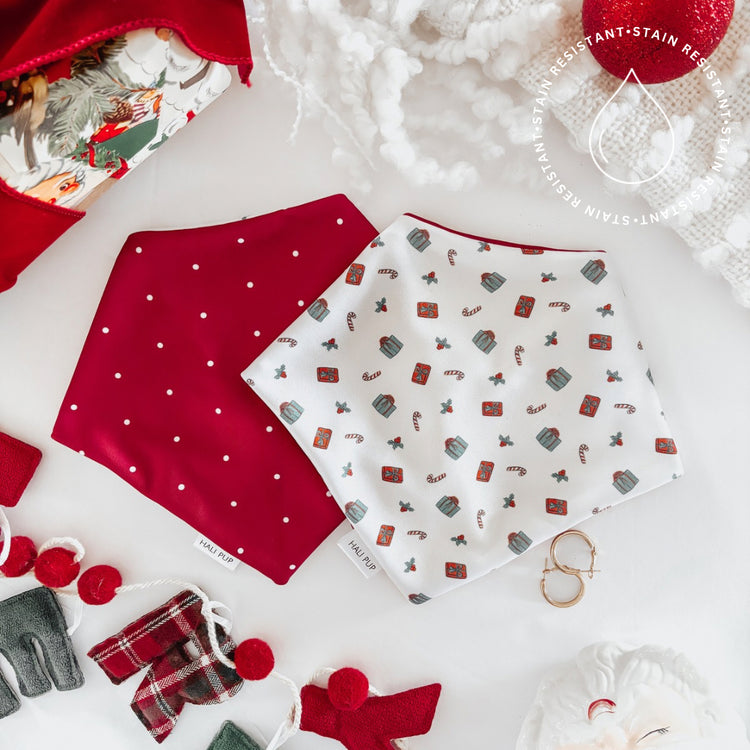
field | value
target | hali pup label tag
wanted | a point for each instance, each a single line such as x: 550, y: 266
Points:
x: 355, y: 549
x: 216, y: 553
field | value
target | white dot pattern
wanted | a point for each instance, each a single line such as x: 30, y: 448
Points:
x: 105, y: 329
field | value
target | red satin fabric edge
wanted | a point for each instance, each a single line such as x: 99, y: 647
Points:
x: 36, y: 32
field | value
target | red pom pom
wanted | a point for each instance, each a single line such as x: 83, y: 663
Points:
x: 21, y: 558
x: 701, y: 24
x: 348, y: 688
x: 97, y: 585
x: 253, y: 659
x: 56, y: 567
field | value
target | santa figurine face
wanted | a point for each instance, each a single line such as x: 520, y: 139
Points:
x: 614, y: 698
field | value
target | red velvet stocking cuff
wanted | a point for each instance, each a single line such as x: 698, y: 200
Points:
x: 18, y: 462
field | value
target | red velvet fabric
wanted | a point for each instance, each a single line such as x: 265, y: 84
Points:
x: 376, y: 722
x: 18, y: 462
x: 38, y: 32
x: 158, y: 396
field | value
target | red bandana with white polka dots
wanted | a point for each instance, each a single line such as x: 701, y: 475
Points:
x: 157, y: 398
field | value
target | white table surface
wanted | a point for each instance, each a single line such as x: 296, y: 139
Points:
x: 675, y: 561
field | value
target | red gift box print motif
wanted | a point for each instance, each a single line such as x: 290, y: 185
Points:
x: 355, y: 274
x: 557, y: 507
x: 419, y: 239
x: 455, y: 570
x: 328, y: 374
x: 589, y: 405
x: 666, y: 445
x: 393, y: 474
x: 421, y: 373
x: 600, y: 341
x: 524, y: 306
x: 427, y: 309
x: 492, y: 408
x: 484, y: 472
x: 322, y: 438
x: 385, y: 535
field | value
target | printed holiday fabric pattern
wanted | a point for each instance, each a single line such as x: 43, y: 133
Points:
x: 465, y: 399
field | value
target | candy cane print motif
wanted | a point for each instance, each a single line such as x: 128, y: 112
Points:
x: 629, y: 408
x: 517, y: 353
x: 415, y: 420
x: 480, y: 513
x: 535, y: 409
x: 354, y: 436
x: 366, y: 375
x: 459, y: 375
x: 433, y: 479
x: 564, y: 306
x: 474, y: 310
x: 391, y: 272
x: 415, y: 532
x: 521, y: 471
x: 350, y: 320
x: 582, y: 451
x: 451, y: 255
x: 287, y: 340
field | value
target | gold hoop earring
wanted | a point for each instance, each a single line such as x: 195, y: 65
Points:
x: 566, y: 568
x: 570, y: 602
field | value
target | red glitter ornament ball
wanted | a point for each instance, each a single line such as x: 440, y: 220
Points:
x: 21, y: 558
x: 659, y: 39
x: 253, y: 659
x: 56, y: 567
x: 98, y: 585
x: 348, y: 689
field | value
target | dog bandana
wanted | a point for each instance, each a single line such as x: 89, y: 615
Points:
x: 159, y: 640
x: 36, y: 615
x: 18, y: 462
x: 231, y: 737
x: 156, y: 395
x: 466, y: 398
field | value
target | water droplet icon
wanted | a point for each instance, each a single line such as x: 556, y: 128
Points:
x: 621, y: 129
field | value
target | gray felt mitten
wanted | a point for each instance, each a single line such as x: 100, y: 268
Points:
x: 231, y: 737
x: 35, y: 615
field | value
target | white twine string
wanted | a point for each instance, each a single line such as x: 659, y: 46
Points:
x: 5, y: 531
x: 58, y: 541
x: 290, y: 726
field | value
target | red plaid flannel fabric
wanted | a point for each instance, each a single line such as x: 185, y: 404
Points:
x: 161, y: 641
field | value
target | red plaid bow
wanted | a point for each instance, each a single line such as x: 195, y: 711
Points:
x: 175, y: 677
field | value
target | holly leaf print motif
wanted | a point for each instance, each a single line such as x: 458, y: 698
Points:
x: 442, y: 343
x: 380, y: 305
x: 347, y: 469
x: 459, y: 540
x: 548, y: 277
x: 342, y: 408
x: 560, y: 476
x: 396, y: 443
x: 509, y: 502
x: 410, y: 566
x: 505, y: 440
x: 496, y: 378
x: 330, y: 344
x: 404, y: 507
x: 447, y: 406
x: 430, y: 278
x: 280, y: 372
x: 615, y: 440
x: 551, y: 339
x: 606, y: 310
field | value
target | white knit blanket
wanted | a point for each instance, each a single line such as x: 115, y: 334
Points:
x: 433, y: 89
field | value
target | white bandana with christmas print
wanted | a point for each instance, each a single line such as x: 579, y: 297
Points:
x: 466, y: 399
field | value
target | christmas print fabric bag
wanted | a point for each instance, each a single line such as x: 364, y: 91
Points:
x: 465, y: 399
x: 69, y: 126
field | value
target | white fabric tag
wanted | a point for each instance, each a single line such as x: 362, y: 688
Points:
x: 356, y: 550
x: 216, y: 553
